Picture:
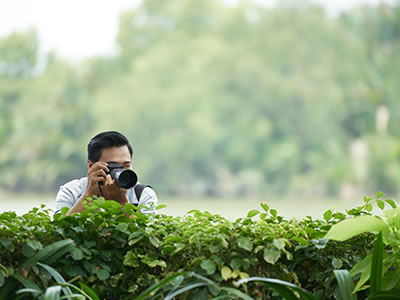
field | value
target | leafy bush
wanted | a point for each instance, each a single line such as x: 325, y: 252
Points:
x: 381, y: 268
x: 123, y: 256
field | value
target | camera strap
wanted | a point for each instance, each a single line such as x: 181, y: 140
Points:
x: 139, y: 190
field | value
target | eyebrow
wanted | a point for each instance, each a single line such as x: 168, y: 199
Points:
x: 115, y: 162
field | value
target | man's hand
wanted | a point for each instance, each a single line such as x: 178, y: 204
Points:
x: 96, y: 173
x: 110, y: 191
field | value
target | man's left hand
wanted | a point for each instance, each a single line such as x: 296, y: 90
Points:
x: 113, y: 192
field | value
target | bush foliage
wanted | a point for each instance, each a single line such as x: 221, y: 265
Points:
x: 122, y: 256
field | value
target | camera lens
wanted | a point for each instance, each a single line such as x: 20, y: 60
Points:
x: 126, y: 179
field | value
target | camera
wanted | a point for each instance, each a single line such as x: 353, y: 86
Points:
x: 124, y: 178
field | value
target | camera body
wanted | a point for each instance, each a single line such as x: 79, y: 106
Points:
x: 124, y: 178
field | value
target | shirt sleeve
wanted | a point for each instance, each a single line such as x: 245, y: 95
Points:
x: 65, y: 198
x: 148, y: 199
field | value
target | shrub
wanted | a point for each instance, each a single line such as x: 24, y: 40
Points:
x: 121, y: 256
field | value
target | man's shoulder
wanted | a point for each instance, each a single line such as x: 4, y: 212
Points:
x: 75, y: 183
x: 75, y: 186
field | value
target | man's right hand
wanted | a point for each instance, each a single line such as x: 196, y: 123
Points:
x: 96, y: 173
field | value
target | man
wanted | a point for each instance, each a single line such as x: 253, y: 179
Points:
x: 104, y: 148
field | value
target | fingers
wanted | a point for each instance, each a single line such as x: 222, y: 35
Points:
x: 98, y: 172
x: 98, y: 166
x: 109, y: 180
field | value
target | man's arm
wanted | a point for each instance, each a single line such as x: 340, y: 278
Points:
x: 98, y: 173
x: 65, y: 197
x: 78, y: 206
x: 148, y: 199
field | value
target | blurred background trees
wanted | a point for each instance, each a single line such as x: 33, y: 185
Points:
x: 216, y: 99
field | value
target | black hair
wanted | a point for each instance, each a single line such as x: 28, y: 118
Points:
x: 104, y: 140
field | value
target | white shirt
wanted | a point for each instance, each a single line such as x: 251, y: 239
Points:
x: 72, y: 191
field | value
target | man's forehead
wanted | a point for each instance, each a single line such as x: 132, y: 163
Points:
x: 116, y: 154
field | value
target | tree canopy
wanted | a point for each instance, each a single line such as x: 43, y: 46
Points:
x: 216, y: 99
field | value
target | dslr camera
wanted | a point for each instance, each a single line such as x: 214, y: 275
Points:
x: 124, y: 178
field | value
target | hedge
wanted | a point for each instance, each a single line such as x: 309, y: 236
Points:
x: 119, y: 256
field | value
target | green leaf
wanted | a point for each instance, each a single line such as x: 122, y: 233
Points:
x: 8, y: 244
x: 365, y: 275
x: 53, y: 293
x: 64, y: 210
x: 388, y: 295
x: 82, y: 293
x: 102, y: 274
x: 123, y: 228
x: 236, y: 263
x: 301, y: 240
x: 245, y: 243
x: 226, y: 273
x: 77, y: 254
x: 34, y: 292
x: 368, y: 207
x: 89, y: 291
x: 252, y: 213
x: 214, y: 249
x: 131, y: 259
x: 27, y: 283
x: 74, y: 270
x: 390, y: 279
x: 167, y: 249
x: 346, y: 285
x: 380, y: 204
x: 273, y: 212
x: 28, y: 250
x: 51, y: 252
x: 184, y: 289
x: 237, y: 293
x: 57, y: 277
x: 160, y: 206
x: 377, y: 266
x: 379, y: 194
x: 209, y: 266
x: 271, y: 255
x: 391, y: 203
x: 159, y: 285
x: 157, y: 262
x: 201, y: 294
x: 2, y: 279
x: 351, y: 227
x: 367, y: 199
x: 135, y: 237
x: 328, y: 215
x: 276, y: 283
x: 280, y: 244
x: 289, y: 255
x: 361, y: 266
x: 154, y: 241
x: 265, y: 207
x: 337, y: 263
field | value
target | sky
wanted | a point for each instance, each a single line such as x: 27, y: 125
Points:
x: 66, y: 25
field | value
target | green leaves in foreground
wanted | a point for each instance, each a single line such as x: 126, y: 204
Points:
x: 377, y: 266
x: 103, y: 245
x: 355, y: 226
x: 375, y: 271
x: 285, y: 289
x: 51, y: 252
x: 346, y: 285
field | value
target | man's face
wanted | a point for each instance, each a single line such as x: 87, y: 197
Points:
x: 118, y: 155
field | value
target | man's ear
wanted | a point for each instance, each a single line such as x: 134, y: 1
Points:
x: 90, y: 163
